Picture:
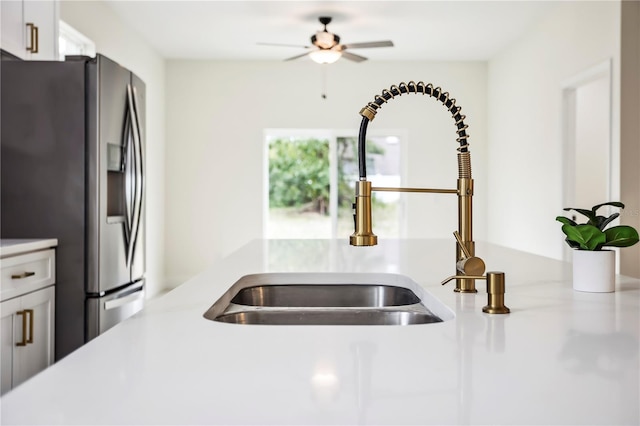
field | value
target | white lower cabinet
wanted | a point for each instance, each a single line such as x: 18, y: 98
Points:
x: 27, y: 336
x: 27, y: 314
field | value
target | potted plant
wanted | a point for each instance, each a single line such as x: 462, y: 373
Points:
x: 593, y: 264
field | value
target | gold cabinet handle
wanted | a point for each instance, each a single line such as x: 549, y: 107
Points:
x: 33, y: 32
x: 26, y: 340
x: 30, y: 312
x: 23, y: 342
x: 22, y: 275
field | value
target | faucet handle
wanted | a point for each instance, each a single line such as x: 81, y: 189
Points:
x: 468, y: 265
x: 463, y: 247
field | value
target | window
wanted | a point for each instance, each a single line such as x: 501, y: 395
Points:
x: 73, y: 42
x: 310, y: 180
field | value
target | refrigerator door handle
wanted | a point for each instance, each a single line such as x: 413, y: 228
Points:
x: 125, y: 300
x: 126, y: 165
x: 138, y: 173
x: 140, y: 167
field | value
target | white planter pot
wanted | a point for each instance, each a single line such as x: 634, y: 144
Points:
x: 594, y: 271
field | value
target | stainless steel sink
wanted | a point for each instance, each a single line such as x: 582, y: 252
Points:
x: 327, y: 299
x: 329, y: 317
x: 325, y: 295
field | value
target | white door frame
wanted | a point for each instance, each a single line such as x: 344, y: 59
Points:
x: 569, y: 88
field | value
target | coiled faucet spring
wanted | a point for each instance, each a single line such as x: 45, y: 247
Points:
x: 369, y: 112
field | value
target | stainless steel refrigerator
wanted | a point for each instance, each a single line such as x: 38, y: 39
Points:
x: 72, y: 168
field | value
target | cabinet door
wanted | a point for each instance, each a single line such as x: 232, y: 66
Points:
x: 38, y: 353
x: 24, y: 273
x: 44, y: 15
x: 8, y: 341
x: 17, y: 37
x: 13, y: 30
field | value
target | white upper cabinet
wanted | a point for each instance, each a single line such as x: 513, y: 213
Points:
x: 12, y: 37
x: 30, y: 28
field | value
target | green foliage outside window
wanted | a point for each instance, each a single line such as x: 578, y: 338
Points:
x: 299, y: 172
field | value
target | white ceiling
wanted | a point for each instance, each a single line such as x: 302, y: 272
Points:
x: 420, y: 30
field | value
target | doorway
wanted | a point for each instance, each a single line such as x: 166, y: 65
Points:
x: 588, y: 160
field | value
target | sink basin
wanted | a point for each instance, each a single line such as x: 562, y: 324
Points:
x: 327, y: 299
x: 330, y: 317
x: 325, y: 295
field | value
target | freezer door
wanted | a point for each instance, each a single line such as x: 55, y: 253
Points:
x: 104, y: 312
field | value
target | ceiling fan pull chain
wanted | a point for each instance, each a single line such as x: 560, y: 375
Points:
x: 324, y: 81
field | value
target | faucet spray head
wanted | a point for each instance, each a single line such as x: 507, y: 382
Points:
x: 363, y: 234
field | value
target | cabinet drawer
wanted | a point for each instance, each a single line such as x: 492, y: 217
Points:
x: 25, y: 273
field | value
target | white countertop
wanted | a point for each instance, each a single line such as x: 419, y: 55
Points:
x: 560, y: 357
x: 13, y: 246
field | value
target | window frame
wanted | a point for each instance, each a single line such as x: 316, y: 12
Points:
x: 66, y: 32
x: 332, y: 136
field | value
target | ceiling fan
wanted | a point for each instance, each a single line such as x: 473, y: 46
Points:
x: 326, y: 47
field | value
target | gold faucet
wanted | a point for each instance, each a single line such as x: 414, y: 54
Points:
x: 468, y: 266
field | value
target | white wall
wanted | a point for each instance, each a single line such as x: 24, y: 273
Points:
x: 215, y: 121
x: 525, y: 120
x: 113, y: 38
x: 216, y: 112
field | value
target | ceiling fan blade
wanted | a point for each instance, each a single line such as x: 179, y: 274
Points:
x: 297, y: 56
x: 353, y: 57
x: 284, y: 45
x: 385, y: 43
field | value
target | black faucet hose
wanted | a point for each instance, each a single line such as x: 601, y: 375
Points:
x: 370, y: 110
x: 362, y: 155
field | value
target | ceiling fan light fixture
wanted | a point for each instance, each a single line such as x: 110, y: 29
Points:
x: 325, y: 39
x: 325, y: 56
x: 325, y: 47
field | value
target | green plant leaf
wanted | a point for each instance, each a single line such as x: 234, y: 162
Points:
x: 594, y: 219
x: 565, y: 220
x: 593, y: 235
x: 572, y: 244
x: 612, y: 203
x: 602, y: 221
x: 588, y: 213
x: 587, y: 236
x: 621, y: 236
